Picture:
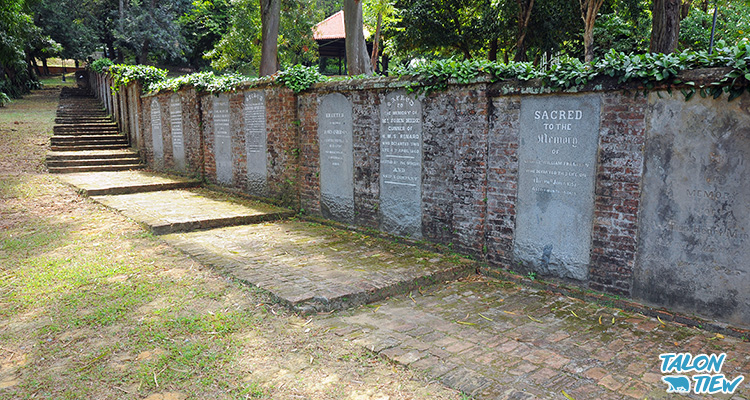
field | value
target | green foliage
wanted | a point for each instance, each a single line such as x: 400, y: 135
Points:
x: 300, y: 78
x: 100, y: 65
x: 202, y: 82
x: 203, y: 27
x: 4, y: 99
x: 570, y: 73
x: 145, y: 74
x: 732, y: 25
x: 17, y: 35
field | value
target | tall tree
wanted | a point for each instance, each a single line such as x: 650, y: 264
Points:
x: 270, y: 14
x: 589, y: 10
x: 357, y: 59
x: 522, y: 21
x: 382, y: 8
x: 202, y: 27
x: 665, y: 26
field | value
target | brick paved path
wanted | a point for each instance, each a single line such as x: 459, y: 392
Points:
x: 488, y: 338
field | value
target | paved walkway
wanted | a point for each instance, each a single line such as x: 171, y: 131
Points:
x: 488, y: 338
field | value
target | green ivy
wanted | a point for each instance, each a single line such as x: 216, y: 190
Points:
x: 99, y: 65
x: 300, y: 78
x: 147, y: 75
x: 204, y: 82
x: 570, y: 73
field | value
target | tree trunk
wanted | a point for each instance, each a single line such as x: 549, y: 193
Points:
x: 45, y: 68
x: 589, y: 9
x: 270, y: 14
x: 143, y: 56
x: 524, y: 15
x: 376, y: 43
x: 665, y: 27
x: 492, y: 54
x: 357, y: 59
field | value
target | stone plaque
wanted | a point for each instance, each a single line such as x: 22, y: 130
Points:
x: 694, y: 233
x: 178, y: 141
x: 156, y: 135
x: 222, y: 139
x: 336, y: 158
x: 556, y: 175
x: 401, y: 165
x: 254, y: 114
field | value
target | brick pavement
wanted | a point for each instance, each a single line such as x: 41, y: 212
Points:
x: 489, y: 338
x: 500, y: 340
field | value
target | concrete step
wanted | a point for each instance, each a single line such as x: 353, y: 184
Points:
x: 182, y: 210
x: 91, y: 155
x: 88, y: 139
x: 82, y: 120
x: 72, y: 131
x: 125, y: 182
x: 79, y: 147
x: 89, y: 168
x: 93, y: 162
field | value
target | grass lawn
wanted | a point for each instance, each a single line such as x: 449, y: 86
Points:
x: 94, y: 307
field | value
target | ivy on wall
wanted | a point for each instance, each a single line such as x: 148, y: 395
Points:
x: 565, y: 74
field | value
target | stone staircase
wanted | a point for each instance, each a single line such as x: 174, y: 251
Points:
x: 86, y: 139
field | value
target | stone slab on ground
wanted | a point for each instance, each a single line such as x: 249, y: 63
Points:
x: 313, y: 267
x: 124, y: 182
x: 171, y: 211
x: 498, y: 340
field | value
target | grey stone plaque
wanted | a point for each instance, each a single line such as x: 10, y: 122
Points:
x: 156, y: 134
x: 557, y: 163
x: 222, y: 139
x: 254, y: 114
x: 178, y: 141
x: 694, y: 233
x: 336, y: 158
x: 401, y: 165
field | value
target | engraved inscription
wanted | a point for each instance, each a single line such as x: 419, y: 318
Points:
x: 557, y: 156
x: 178, y: 143
x: 156, y: 134
x: 222, y: 139
x: 401, y: 165
x: 336, y: 157
x: 254, y: 116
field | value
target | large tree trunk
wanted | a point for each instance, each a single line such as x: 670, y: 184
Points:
x: 376, y: 43
x: 356, y: 49
x: 524, y: 15
x: 589, y: 9
x: 665, y: 27
x: 143, y: 56
x: 270, y: 14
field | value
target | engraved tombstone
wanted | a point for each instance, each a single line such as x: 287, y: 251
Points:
x: 401, y: 165
x: 555, y: 206
x: 156, y: 134
x: 336, y: 158
x: 694, y: 233
x: 254, y: 114
x: 178, y: 141
x: 222, y: 139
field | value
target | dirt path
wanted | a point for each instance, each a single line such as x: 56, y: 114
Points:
x: 93, y: 307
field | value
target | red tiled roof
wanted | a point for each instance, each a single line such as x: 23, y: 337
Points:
x: 332, y: 28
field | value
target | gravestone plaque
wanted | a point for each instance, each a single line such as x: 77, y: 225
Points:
x: 254, y: 114
x: 178, y: 141
x: 336, y: 158
x: 401, y: 165
x: 222, y: 139
x: 557, y: 163
x: 156, y: 135
x: 694, y: 232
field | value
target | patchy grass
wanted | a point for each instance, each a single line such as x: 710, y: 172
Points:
x: 92, y: 306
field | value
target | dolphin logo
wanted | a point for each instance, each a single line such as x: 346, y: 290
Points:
x: 677, y: 383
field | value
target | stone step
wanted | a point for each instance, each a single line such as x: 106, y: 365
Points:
x: 172, y: 211
x: 125, y: 182
x: 72, y: 131
x: 89, y: 168
x: 93, y: 162
x: 91, y: 155
x: 75, y: 147
x: 88, y: 139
